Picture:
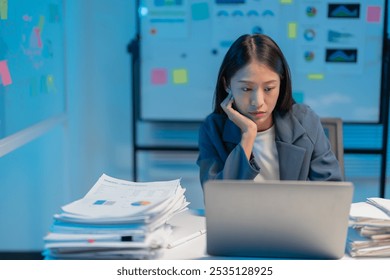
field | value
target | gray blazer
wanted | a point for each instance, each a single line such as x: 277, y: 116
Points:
x: 304, y: 150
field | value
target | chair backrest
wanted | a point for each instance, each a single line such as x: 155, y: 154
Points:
x: 333, y: 128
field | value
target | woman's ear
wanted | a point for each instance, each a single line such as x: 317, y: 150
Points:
x: 227, y: 89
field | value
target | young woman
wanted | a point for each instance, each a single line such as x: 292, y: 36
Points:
x: 256, y: 130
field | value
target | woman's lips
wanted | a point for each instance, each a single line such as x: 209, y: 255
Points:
x: 258, y: 114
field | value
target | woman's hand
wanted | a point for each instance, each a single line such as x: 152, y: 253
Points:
x: 247, y: 126
x: 243, y: 122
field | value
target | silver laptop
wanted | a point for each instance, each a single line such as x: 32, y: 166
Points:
x: 277, y: 219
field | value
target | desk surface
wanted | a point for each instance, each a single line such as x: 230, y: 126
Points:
x: 185, y: 224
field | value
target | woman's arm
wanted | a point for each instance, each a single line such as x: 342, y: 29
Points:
x: 216, y: 161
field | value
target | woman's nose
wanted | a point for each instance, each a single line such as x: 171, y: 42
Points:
x: 257, y: 98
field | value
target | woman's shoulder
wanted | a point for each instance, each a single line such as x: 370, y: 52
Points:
x: 306, y: 117
x: 304, y: 113
x: 213, y: 126
x: 215, y: 119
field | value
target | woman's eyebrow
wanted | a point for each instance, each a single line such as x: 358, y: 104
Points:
x: 251, y: 82
x: 271, y: 82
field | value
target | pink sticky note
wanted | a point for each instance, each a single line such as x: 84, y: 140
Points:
x: 4, y: 73
x: 159, y: 76
x: 37, y: 32
x: 373, y: 14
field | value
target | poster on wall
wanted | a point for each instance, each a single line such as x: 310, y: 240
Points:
x: 334, y: 49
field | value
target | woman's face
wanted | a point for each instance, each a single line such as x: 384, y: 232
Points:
x: 255, y: 89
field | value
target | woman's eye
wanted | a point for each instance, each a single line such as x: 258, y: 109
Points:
x: 268, y: 89
x: 246, y: 89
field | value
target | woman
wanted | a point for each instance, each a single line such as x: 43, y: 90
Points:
x: 256, y: 131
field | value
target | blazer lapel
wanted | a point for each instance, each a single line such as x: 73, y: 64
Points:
x: 288, y: 131
x: 290, y: 160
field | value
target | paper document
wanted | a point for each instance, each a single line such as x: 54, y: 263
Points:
x: 380, y: 203
x: 111, y: 197
x: 116, y: 219
x: 364, y: 211
x: 369, y: 235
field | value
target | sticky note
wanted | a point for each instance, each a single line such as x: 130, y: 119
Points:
x: 180, y: 76
x: 4, y: 73
x: 41, y: 23
x: 200, y: 11
x: 3, y: 9
x: 292, y: 30
x: 315, y: 76
x: 373, y: 14
x: 286, y: 1
x: 27, y: 18
x: 37, y: 33
x: 50, y: 83
x: 159, y: 76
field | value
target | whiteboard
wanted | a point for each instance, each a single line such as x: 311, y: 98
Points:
x: 31, y: 63
x: 334, y: 51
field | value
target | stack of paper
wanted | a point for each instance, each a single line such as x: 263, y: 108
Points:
x: 369, y: 235
x: 116, y: 219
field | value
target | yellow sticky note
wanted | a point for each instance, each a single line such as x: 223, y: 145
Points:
x: 3, y: 9
x: 292, y: 30
x: 41, y: 23
x: 50, y: 84
x: 315, y: 76
x: 180, y: 76
x: 286, y: 1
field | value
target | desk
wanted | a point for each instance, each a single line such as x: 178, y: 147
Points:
x: 185, y: 224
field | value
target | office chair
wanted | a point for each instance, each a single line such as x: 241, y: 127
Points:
x: 333, y: 128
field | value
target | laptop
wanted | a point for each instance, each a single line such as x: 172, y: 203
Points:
x: 277, y: 219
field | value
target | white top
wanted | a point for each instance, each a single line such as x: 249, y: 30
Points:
x: 266, y: 155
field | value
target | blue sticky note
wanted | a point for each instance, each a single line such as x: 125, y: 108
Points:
x: 200, y: 11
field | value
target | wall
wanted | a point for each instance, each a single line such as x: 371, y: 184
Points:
x: 98, y: 79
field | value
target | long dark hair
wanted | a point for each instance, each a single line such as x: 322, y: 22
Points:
x: 255, y: 47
